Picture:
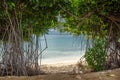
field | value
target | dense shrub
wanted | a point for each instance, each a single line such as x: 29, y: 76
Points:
x: 96, y: 55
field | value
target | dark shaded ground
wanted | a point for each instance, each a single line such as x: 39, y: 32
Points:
x: 103, y: 75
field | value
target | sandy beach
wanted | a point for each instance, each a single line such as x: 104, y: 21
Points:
x: 58, y: 68
x: 65, y: 71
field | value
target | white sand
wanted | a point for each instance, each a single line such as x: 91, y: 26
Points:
x: 61, y: 61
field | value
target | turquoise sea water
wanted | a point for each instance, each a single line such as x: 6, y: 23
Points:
x: 63, y: 48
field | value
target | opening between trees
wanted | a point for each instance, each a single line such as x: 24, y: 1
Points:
x: 23, y: 21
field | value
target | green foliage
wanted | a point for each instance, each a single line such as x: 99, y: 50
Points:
x: 96, y: 55
x: 33, y: 16
x: 90, y: 17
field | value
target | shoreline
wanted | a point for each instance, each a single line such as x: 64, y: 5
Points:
x: 61, y: 60
x: 69, y: 66
x: 58, y: 64
x: 63, y: 65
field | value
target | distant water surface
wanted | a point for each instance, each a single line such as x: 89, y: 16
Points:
x: 63, y: 48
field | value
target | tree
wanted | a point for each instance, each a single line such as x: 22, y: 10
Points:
x: 22, y: 22
x: 96, y: 19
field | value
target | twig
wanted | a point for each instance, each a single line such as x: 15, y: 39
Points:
x: 44, y: 48
x: 67, y: 11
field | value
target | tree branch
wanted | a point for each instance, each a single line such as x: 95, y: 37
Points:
x: 67, y: 11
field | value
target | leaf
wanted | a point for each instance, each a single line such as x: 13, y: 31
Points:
x: 119, y: 40
x: 13, y: 4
